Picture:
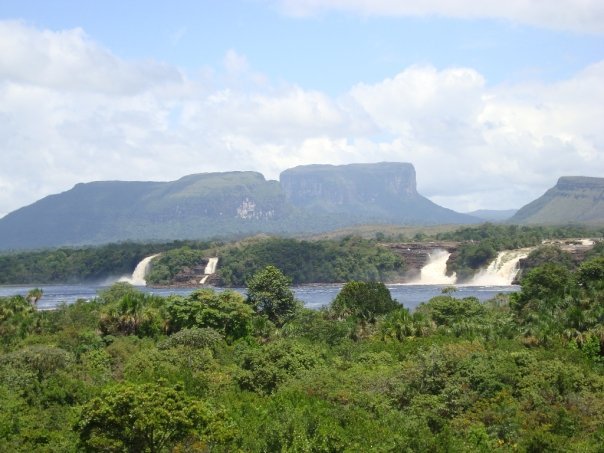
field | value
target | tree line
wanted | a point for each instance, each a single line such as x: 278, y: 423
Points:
x: 80, y: 264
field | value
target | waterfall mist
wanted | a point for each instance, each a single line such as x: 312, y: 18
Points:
x: 140, y: 272
x: 502, y: 270
x: 435, y: 270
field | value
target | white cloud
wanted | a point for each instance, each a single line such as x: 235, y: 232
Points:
x: 583, y: 16
x: 69, y: 61
x: 473, y: 146
x: 426, y: 105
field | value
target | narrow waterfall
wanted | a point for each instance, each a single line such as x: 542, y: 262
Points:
x: 502, y: 271
x: 211, y: 266
x: 435, y: 271
x: 140, y: 272
x: 209, y: 270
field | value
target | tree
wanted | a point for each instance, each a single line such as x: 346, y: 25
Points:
x: 263, y: 370
x: 134, y: 314
x: 447, y: 310
x: 543, y: 290
x: 225, y: 312
x: 591, y: 273
x: 400, y: 324
x: 363, y: 300
x: 34, y: 295
x: 140, y: 418
x: 269, y: 294
x: 117, y: 291
x: 16, y: 317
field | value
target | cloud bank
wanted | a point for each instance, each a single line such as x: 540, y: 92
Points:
x: 583, y: 16
x: 71, y: 111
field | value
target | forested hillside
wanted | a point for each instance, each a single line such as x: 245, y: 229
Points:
x: 216, y: 371
x: 320, y: 261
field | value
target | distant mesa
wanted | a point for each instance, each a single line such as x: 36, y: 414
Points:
x: 310, y: 198
x: 307, y: 199
x: 574, y: 199
x: 364, y: 193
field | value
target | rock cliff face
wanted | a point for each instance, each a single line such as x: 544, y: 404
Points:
x: 574, y: 199
x: 342, y: 187
x: 365, y: 192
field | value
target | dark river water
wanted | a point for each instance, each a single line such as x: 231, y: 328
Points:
x: 313, y: 296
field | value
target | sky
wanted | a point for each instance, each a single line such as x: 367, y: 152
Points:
x: 491, y: 101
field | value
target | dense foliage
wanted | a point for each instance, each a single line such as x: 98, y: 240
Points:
x: 364, y: 301
x: 322, y: 261
x: 167, y: 266
x: 212, y: 372
x: 72, y: 265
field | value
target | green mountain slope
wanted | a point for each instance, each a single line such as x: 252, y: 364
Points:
x: 574, y: 199
x: 195, y: 206
x: 308, y: 199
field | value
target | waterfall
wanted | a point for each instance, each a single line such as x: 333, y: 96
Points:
x: 435, y: 270
x: 209, y: 270
x: 502, y: 271
x: 211, y: 266
x: 140, y: 272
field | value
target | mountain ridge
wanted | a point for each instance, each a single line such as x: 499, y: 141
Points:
x: 574, y: 199
x: 205, y: 205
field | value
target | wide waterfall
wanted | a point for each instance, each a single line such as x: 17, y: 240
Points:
x: 435, y: 270
x: 502, y: 271
x: 209, y: 270
x: 140, y: 272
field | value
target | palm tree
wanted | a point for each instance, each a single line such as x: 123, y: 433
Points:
x: 401, y: 324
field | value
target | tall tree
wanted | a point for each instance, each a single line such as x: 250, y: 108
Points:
x: 269, y: 293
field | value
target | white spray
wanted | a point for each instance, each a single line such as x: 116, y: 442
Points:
x: 435, y: 270
x: 502, y: 271
x: 140, y: 272
x: 209, y: 270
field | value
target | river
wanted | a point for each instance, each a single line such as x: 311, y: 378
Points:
x: 313, y: 296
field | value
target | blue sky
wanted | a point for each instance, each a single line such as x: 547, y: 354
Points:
x: 492, y: 102
x: 330, y: 51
